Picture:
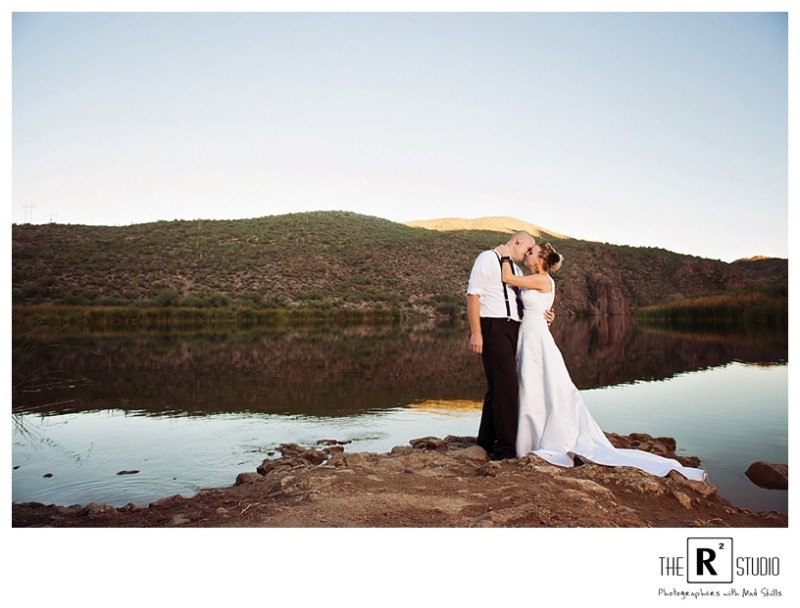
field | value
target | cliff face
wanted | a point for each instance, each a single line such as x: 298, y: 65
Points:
x: 604, y: 296
x: 604, y: 279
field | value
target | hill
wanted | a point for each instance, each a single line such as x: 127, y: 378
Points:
x: 336, y: 260
x: 492, y: 224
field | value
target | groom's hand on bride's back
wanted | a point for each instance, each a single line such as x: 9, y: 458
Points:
x: 549, y: 316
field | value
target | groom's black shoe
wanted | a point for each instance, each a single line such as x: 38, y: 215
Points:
x: 498, y: 456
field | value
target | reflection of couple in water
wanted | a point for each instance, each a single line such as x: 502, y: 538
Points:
x: 531, y: 405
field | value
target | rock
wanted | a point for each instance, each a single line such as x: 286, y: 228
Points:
x: 95, y: 510
x: 334, y: 442
x: 428, y: 443
x: 687, y: 461
x: 455, y: 442
x: 313, y: 456
x: 357, y: 459
x: 634, y: 480
x: 659, y: 448
x: 267, y: 466
x: 682, y: 498
x: 243, y: 478
x: 337, y: 460
x: 549, y: 469
x: 771, y: 476
x: 579, y: 496
x: 489, y: 520
x: 475, y: 452
x: 489, y: 469
x: 170, y: 502
x: 662, y: 446
x: 532, y: 461
x: 587, y: 486
x: 705, y: 489
x: 669, y: 442
x: 290, y: 449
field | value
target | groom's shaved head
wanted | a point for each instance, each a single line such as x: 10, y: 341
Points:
x: 520, y: 236
x: 521, y: 245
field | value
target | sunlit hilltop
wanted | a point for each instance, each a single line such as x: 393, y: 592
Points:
x: 494, y: 224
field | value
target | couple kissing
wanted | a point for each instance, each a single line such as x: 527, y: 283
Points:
x: 531, y: 405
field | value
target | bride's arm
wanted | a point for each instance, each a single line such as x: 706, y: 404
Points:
x: 539, y: 282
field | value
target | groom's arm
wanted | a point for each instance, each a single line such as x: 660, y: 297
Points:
x: 474, y: 317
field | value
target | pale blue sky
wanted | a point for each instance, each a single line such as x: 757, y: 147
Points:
x: 659, y: 129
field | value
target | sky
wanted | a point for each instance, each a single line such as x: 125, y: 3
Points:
x: 649, y: 129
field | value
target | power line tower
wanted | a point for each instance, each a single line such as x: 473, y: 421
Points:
x: 28, y: 213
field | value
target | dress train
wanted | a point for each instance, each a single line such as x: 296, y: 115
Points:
x: 554, y: 422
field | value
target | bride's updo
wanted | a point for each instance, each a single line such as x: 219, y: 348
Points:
x: 551, y: 259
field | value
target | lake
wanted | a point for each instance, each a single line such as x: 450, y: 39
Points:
x: 123, y: 419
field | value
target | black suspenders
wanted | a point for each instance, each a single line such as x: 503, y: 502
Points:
x: 505, y: 288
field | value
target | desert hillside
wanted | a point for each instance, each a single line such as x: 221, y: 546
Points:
x: 339, y: 260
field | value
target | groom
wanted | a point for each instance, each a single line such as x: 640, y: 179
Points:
x: 494, y: 311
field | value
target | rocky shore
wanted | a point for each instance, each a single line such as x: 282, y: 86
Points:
x: 432, y: 482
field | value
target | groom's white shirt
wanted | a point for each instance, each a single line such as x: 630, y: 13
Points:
x: 486, y: 281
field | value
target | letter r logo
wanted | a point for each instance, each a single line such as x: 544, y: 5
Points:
x: 704, y: 558
x: 709, y: 560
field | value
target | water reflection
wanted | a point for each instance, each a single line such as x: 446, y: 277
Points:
x: 192, y: 411
x: 337, y: 372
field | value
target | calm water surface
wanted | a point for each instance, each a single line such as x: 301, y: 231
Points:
x: 190, y: 412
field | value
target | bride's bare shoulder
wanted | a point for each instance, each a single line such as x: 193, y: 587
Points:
x: 539, y: 282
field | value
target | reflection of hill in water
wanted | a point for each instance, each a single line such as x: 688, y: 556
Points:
x: 613, y: 350
x: 449, y: 406
x: 345, y: 372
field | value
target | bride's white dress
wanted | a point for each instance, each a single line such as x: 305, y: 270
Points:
x: 554, y: 422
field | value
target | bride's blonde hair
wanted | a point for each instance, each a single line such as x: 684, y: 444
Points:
x: 551, y: 258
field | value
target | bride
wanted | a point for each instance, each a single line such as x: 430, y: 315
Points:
x: 554, y: 422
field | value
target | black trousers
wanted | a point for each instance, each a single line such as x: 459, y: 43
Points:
x: 497, y: 433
